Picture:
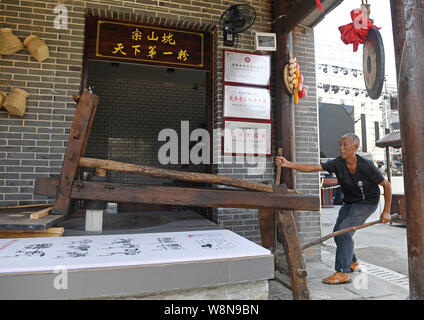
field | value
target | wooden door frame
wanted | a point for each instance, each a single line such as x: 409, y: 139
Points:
x: 209, y: 68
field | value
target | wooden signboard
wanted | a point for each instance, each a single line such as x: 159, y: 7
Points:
x: 111, y: 39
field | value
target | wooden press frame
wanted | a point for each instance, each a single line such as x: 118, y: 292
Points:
x: 276, y: 203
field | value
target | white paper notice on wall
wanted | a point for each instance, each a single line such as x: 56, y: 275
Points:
x: 247, y: 138
x: 90, y: 252
x: 247, y: 68
x: 247, y: 102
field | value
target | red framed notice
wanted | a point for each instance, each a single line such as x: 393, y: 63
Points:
x: 247, y: 138
x: 247, y: 68
x: 247, y: 102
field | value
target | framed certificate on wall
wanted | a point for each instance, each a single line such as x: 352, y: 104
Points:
x: 247, y: 102
x: 247, y: 68
x: 247, y: 138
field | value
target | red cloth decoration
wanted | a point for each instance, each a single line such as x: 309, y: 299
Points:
x: 357, y: 31
x: 318, y: 2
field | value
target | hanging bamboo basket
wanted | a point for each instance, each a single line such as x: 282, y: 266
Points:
x: 3, y: 95
x: 9, y: 43
x: 37, y: 48
x: 15, y: 102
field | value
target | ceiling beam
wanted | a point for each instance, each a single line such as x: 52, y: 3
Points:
x: 305, y: 12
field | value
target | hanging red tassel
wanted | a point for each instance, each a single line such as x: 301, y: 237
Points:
x: 356, y: 32
x: 319, y: 4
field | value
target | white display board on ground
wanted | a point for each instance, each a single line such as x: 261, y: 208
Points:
x: 89, y: 252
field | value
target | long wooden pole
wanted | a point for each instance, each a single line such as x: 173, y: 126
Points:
x: 337, y: 233
x: 173, y: 174
x: 408, y: 34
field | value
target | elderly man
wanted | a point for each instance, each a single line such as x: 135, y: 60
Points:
x: 359, y: 179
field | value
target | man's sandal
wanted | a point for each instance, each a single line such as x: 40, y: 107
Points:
x: 338, y: 278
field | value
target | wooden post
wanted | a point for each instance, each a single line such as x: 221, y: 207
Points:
x: 389, y: 171
x: 267, y: 222
x: 408, y: 34
x: 77, y: 142
x: 285, y: 105
x: 266, y: 225
x: 293, y: 252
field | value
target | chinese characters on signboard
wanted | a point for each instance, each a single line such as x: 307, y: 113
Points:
x: 145, y: 43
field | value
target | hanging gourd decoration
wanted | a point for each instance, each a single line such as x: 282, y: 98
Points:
x: 293, y: 79
x: 37, y: 48
x: 9, y: 43
x: 15, y: 102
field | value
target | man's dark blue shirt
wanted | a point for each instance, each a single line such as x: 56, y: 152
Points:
x: 366, y: 172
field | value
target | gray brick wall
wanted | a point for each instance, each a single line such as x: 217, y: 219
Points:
x: 33, y: 145
x: 130, y: 115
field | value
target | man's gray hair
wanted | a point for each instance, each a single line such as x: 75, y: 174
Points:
x: 353, y: 136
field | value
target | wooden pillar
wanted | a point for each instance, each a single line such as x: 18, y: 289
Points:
x: 293, y: 252
x: 286, y: 130
x: 388, y: 161
x: 408, y: 34
x: 284, y: 100
x: 75, y: 148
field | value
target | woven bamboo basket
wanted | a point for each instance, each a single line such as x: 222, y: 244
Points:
x: 37, y: 48
x: 9, y: 43
x: 3, y: 95
x: 15, y: 102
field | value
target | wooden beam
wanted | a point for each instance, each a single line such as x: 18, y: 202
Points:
x: 41, y: 213
x: 173, y: 174
x: 305, y: 12
x: 45, y: 186
x: 115, y: 192
x: 26, y: 206
x: 266, y: 225
x: 298, y: 13
x: 408, y: 34
x: 75, y: 148
x: 293, y: 252
x: 50, y: 232
x: 193, y: 197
